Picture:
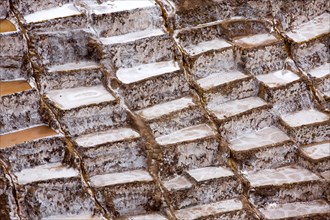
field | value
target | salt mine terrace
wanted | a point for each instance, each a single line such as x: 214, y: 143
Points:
x: 52, y: 13
x: 164, y: 109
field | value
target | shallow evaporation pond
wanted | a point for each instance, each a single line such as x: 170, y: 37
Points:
x: 83, y: 95
x: 6, y: 26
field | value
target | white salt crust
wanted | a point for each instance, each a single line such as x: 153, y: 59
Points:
x: 327, y: 93
x: 317, y: 151
x: 304, y: 117
x: 147, y: 217
x: 311, y: 29
x: 326, y: 175
x: 79, y: 96
x: 177, y: 183
x: 65, y: 10
x: 215, y: 44
x: 256, y: 40
x: 117, y: 6
x: 199, y: 211
x: 235, y: 107
x: 320, y: 71
x: 198, y: 26
x: 166, y: 108
x: 81, y: 216
x: 16, y: 79
x: 296, y: 209
x: 217, y: 79
x: 283, y: 175
x: 111, y: 135
x: 121, y: 178
x: 73, y: 66
x: 209, y: 24
x: 256, y: 139
x: 186, y: 134
x: 277, y: 78
x: 145, y: 71
x: 208, y: 173
x: 45, y: 172
x: 131, y: 37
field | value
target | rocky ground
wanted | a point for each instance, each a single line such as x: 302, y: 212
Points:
x: 165, y: 109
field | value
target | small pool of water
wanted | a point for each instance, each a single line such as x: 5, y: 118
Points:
x: 6, y: 26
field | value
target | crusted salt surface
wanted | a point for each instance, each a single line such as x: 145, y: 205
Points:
x: 76, y: 97
x: 208, y: 173
x: 65, y: 10
x: 198, y: 26
x: 304, y: 117
x: 215, y: 44
x: 297, y: 209
x: 186, y: 134
x: 131, y: 37
x: 115, y: 6
x: 121, y: 178
x: 112, y: 135
x: 166, y: 108
x: 256, y: 40
x: 200, y: 211
x: 311, y: 29
x: 317, y: 151
x: 73, y: 66
x: 177, y: 183
x: 326, y: 175
x: 45, y: 172
x: 208, y: 24
x: 320, y: 71
x: 145, y: 71
x: 283, y: 175
x: 235, y: 107
x: 82, y: 216
x: 147, y: 217
x: 327, y: 93
x: 263, y: 137
x: 217, y: 79
x: 277, y: 78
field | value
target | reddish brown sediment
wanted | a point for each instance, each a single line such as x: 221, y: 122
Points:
x: 26, y: 135
x: 12, y: 87
x: 6, y: 26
